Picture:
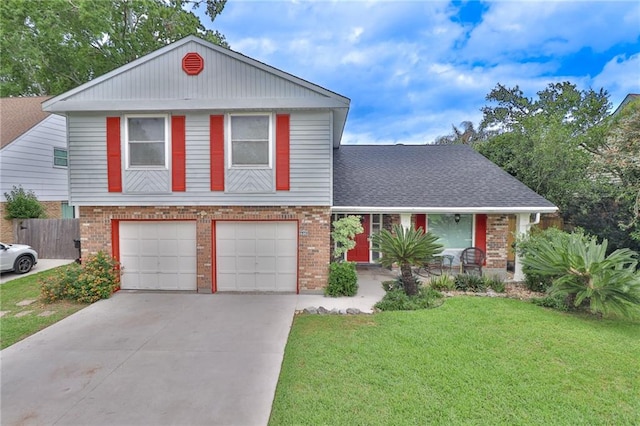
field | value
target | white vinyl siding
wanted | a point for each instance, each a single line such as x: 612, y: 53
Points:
x: 29, y: 161
x: 310, y: 165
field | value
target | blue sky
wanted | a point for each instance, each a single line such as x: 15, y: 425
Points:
x: 414, y: 68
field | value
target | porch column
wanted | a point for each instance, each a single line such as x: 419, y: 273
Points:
x: 405, y: 220
x: 522, y: 227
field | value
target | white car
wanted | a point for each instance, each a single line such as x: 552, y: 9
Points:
x: 18, y: 258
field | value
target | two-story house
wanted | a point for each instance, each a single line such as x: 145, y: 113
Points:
x: 199, y: 168
x: 33, y: 155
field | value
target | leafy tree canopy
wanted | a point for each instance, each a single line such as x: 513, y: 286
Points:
x: 50, y: 46
x: 547, y: 142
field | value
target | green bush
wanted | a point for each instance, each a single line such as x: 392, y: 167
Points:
x: 495, y: 283
x: 23, y: 204
x: 585, y: 275
x: 398, y: 283
x: 530, y: 245
x: 557, y: 301
x: 442, y: 283
x: 398, y: 300
x: 55, y: 287
x: 97, y: 278
x: 343, y: 280
x: 467, y: 282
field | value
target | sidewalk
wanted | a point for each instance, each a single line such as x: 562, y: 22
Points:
x: 42, y: 265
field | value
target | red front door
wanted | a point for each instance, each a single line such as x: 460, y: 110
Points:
x: 360, y: 253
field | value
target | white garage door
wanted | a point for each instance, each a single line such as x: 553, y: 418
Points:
x: 256, y: 256
x: 158, y: 255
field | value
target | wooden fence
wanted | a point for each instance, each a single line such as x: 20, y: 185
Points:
x: 51, y: 238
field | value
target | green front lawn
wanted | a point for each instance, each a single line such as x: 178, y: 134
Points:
x: 19, y: 322
x: 471, y: 361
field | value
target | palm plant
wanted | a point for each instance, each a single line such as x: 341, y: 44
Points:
x: 406, y: 247
x: 584, y: 273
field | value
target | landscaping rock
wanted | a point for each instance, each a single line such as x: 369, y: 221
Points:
x: 322, y: 310
x: 3, y: 313
x: 353, y: 311
x: 312, y: 310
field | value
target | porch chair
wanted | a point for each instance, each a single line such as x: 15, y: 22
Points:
x: 471, y: 260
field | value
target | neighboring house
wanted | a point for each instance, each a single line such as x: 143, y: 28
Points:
x: 33, y: 154
x: 199, y: 168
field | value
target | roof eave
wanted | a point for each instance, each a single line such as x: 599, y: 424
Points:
x: 461, y: 210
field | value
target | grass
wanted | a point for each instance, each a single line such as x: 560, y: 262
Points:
x: 470, y: 361
x: 15, y: 328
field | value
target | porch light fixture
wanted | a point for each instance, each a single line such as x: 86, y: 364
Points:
x: 456, y: 217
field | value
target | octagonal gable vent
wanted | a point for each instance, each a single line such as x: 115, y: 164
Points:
x: 192, y: 63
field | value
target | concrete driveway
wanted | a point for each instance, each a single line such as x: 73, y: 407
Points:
x: 159, y: 358
x: 151, y: 359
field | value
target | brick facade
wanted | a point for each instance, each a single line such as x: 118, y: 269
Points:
x: 497, y: 245
x: 53, y: 210
x: 313, y: 238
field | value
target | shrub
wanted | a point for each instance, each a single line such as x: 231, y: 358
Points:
x: 55, y: 287
x: 585, y: 275
x: 495, y: 283
x: 398, y: 283
x: 343, y: 280
x: 529, y: 245
x: 555, y: 302
x: 23, y: 204
x: 467, y: 282
x: 442, y: 283
x: 97, y: 278
x: 398, y: 300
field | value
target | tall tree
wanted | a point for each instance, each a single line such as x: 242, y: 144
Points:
x: 466, y: 134
x: 50, y: 46
x: 619, y: 159
x: 546, y: 142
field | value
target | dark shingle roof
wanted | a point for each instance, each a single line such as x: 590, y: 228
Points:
x: 425, y: 176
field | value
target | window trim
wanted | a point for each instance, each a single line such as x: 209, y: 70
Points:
x: 229, y: 141
x: 66, y: 157
x: 167, y: 131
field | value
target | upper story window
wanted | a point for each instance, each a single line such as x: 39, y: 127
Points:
x: 251, y: 140
x: 147, y: 141
x: 60, y: 157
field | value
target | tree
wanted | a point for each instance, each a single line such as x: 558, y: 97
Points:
x: 466, y: 135
x: 406, y: 247
x: 50, y: 46
x: 619, y: 159
x: 344, y: 231
x: 549, y: 144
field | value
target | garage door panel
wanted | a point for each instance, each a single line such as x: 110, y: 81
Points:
x: 256, y: 256
x: 158, y: 255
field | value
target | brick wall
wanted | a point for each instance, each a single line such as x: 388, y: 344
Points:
x: 497, y: 246
x: 313, y: 239
x: 53, y: 210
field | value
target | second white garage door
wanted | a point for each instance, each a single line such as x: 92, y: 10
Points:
x: 158, y: 255
x: 256, y: 256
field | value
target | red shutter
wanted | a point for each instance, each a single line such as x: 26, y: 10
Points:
x: 421, y: 222
x: 216, y: 135
x: 282, y: 152
x: 178, y: 156
x: 114, y: 156
x: 481, y: 232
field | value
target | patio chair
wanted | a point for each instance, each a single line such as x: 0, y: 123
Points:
x: 472, y: 259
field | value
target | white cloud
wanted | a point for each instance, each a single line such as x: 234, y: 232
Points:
x: 620, y: 76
